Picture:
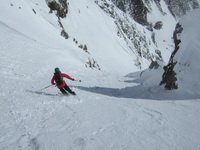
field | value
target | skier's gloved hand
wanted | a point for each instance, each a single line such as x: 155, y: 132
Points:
x: 77, y: 80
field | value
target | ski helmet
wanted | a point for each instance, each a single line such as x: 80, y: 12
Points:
x: 57, y: 70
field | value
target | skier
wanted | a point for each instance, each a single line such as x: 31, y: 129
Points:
x: 60, y: 83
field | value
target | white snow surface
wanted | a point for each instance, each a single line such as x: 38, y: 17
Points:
x: 111, y: 111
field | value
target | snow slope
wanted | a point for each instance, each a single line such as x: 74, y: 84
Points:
x: 102, y: 40
x: 110, y: 111
x: 163, y: 36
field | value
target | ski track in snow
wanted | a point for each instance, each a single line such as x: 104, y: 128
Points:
x: 87, y: 121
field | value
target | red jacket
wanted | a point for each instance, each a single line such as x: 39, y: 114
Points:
x: 64, y: 83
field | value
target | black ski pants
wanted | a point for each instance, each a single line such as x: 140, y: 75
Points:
x: 66, y: 89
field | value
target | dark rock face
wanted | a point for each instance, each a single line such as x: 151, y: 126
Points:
x: 158, y: 25
x: 61, y: 8
x: 135, y: 8
x: 138, y: 9
x: 154, y: 65
x: 169, y: 75
x: 180, y: 7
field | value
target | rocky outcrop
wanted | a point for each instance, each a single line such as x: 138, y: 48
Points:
x: 134, y: 38
x: 60, y: 6
x: 138, y: 9
x: 180, y: 7
x: 169, y: 76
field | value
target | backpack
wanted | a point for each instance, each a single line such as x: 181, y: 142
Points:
x: 58, y: 78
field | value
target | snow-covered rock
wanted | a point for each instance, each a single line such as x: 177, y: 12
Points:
x: 183, y: 69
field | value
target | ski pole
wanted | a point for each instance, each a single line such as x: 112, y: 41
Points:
x: 45, y: 87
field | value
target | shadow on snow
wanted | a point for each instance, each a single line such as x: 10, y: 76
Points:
x: 142, y: 92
